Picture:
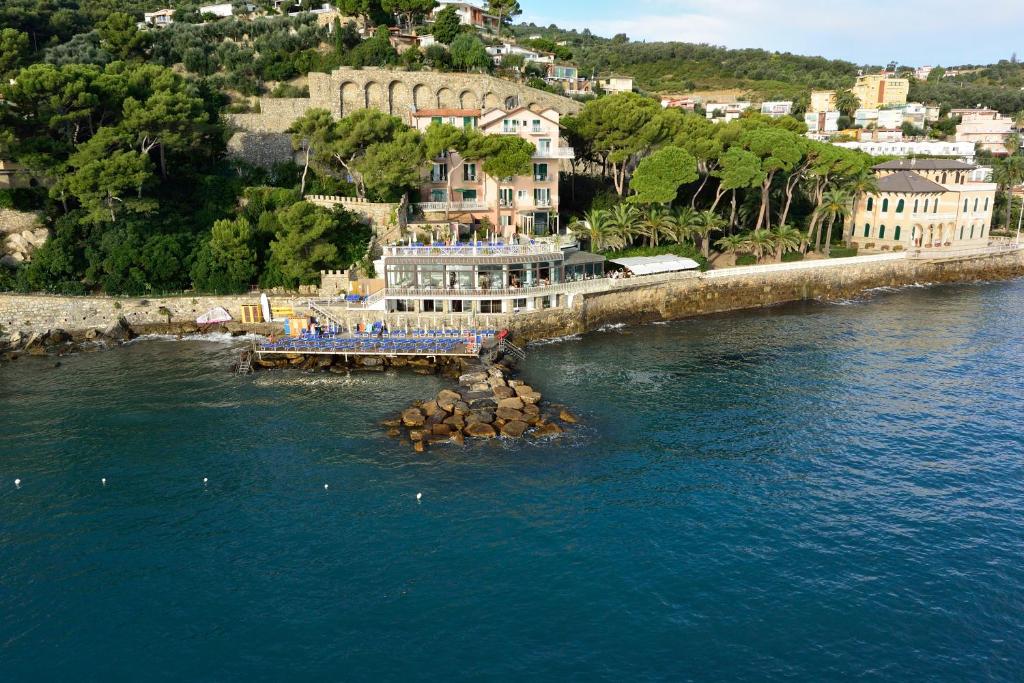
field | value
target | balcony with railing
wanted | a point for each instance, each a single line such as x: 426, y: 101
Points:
x: 474, y: 249
x: 555, y: 153
x: 465, y: 205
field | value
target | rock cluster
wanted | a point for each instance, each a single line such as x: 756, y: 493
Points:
x: 59, y: 342
x: 20, y: 236
x: 489, y: 403
x: 338, y: 364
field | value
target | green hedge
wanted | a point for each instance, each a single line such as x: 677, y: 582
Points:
x: 746, y: 260
x: 842, y: 252
x: 792, y: 257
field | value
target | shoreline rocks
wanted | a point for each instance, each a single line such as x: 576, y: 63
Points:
x: 486, y: 405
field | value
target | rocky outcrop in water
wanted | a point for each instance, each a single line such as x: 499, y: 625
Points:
x: 339, y: 364
x: 489, y: 403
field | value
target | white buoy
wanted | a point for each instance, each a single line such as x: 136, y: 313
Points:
x: 419, y: 497
x: 326, y: 487
x: 17, y: 483
x: 103, y: 481
x: 205, y: 480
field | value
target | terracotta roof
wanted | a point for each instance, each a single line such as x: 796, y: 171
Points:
x: 446, y: 112
x: 907, y: 181
x: 924, y: 165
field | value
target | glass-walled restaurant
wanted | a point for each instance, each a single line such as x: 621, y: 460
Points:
x: 425, y: 285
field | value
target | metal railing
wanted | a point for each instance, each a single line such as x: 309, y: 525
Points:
x: 452, y: 206
x: 510, y: 349
x: 479, y: 249
x: 555, y: 153
x: 495, y: 292
x: 943, y: 252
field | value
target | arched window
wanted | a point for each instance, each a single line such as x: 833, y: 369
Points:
x: 885, y: 205
x: 986, y: 203
x: 871, y: 203
x: 867, y: 230
x: 982, y: 233
x: 899, y: 206
x: 896, y: 233
x: 965, y: 206
x: 943, y: 178
x: 975, y: 205
x: 972, y: 232
x: 961, y: 232
x: 881, y: 232
x: 916, y: 202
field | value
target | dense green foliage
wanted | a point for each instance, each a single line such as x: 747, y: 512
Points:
x: 685, y: 168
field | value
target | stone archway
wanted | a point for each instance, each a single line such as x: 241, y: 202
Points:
x: 352, y: 98
x: 423, y: 97
x: 400, y: 97
x: 491, y: 101
x: 446, y: 99
x: 377, y: 97
x: 468, y: 100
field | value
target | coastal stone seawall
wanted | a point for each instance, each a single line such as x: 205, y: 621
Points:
x: 40, y: 313
x: 722, y: 291
x: 630, y: 302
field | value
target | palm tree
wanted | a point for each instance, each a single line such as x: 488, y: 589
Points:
x: 684, y: 220
x: 759, y: 242
x: 705, y: 223
x: 596, y: 227
x: 1008, y: 173
x: 787, y: 239
x: 731, y: 244
x: 859, y: 185
x: 658, y: 222
x: 835, y: 204
x: 623, y: 220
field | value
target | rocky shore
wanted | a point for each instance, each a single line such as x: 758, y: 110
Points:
x: 59, y: 342
x: 488, y: 403
x: 338, y: 364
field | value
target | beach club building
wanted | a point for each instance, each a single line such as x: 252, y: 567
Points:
x: 483, y: 278
x: 924, y: 203
x: 457, y: 190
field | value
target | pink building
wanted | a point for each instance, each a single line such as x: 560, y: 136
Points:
x: 458, y: 191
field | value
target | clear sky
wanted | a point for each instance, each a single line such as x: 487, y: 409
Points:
x: 911, y: 32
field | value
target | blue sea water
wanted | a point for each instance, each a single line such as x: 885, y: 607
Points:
x: 809, y: 492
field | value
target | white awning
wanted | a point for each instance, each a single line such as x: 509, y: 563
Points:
x: 649, y: 265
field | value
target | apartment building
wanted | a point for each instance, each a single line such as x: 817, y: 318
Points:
x: 458, y: 190
x: 470, y: 15
x: 724, y: 112
x: 879, y: 90
x: 777, y: 109
x: 822, y: 100
x: 986, y: 128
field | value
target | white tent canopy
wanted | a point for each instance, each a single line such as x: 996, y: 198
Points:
x: 650, y: 265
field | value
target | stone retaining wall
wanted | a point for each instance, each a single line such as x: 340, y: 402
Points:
x: 40, y: 313
x: 641, y: 303
x: 690, y: 296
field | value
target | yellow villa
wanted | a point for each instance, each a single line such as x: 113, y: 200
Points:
x: 880, y: 90
x: 924, y: 203
x: 822, y: 101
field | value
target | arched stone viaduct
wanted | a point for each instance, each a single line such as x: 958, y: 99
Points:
x: 400, y: 92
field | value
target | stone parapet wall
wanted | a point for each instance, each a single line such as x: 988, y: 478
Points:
x: 639, y: 302
x: 387, y: 218
x: 399, y: 93
x: 28, y: 313
x: 723, y: 292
